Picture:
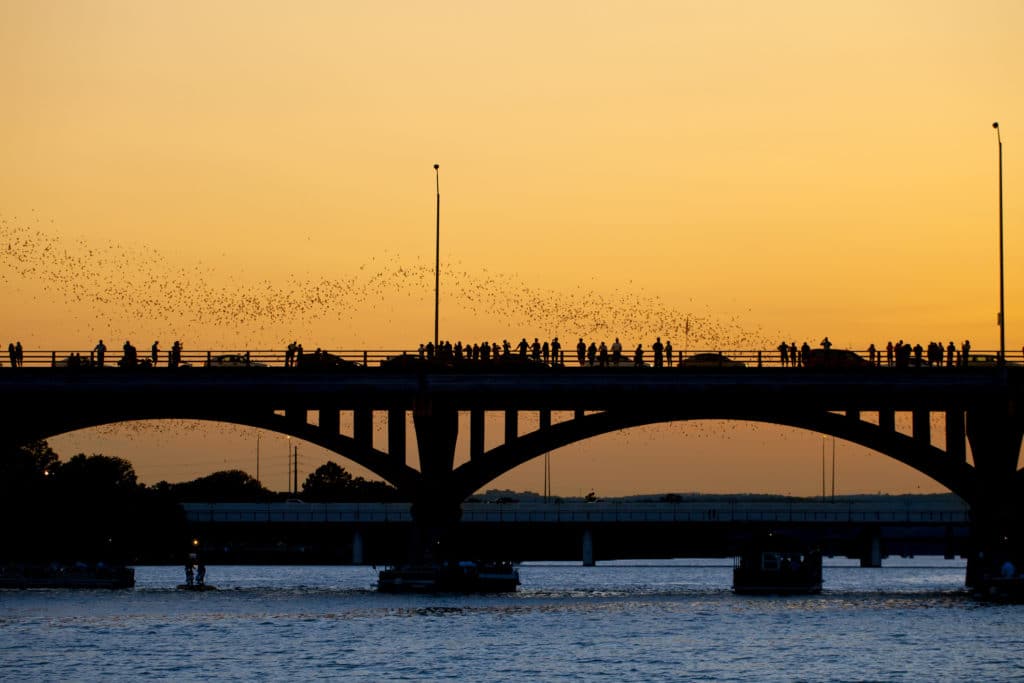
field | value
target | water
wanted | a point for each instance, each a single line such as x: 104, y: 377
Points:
x: 619, y: 621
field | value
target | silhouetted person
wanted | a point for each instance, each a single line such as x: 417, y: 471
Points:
x: 965, y: 351
x: 950, y: 353
x: 545, y: 351
x: 871, y: 354
x: 602, y: 355
x: 101, y: 351
x: 658, y: 348
x: 581, y: 351
x: 190, y: 575
x: 19, y: 354
x: 201, y: 574
x: 154, y: 352
x: 784, y: 353
x: 616, y: 351
x: 535, y: 349
x: 792, y: 354
x: 592, y: 353
x: 12, y: 354
x: 826, y: 344
x: 668, y: 353
x: 523, y: 347
x: 805, y: 353
x: 556, y: 350
x: 638, y: 356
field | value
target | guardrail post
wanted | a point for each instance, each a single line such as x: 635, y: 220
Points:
x: 366, y: 356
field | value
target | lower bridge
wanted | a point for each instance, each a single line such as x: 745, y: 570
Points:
x: 377, y: 533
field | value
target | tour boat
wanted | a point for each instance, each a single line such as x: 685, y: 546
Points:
x: 777, y: 566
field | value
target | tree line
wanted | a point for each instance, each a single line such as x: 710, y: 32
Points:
x: 92, y: 507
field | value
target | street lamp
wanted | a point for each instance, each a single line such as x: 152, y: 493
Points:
x: 437, y: 254
x: 1002, y: 310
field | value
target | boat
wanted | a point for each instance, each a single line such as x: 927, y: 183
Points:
x: 777, y: 566
x: 57, y: 575
x: 449, y: 577
x: 1002, y: 584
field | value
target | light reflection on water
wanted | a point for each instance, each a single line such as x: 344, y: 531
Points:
x: 617, y: 621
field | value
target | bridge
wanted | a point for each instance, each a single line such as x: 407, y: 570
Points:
x: 978, y: 406
x: 368, y: 533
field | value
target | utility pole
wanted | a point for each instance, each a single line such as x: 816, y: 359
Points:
x: 295, y: 471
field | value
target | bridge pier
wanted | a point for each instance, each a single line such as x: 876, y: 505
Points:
x: 871, y: 556
x: 436, y: 507
x: 995, y: 431
x: 587, y: 548
x: 358, y: 555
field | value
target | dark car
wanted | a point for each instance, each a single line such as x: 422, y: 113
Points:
x: 322, y: 360
x: 835, y: 358
x: 711, y: 360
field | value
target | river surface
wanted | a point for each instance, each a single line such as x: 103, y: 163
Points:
x: 637, y: 621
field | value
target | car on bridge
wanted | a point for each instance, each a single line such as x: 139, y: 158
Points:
x: 986, y: 360
x: 711, y: 360
x: 233, y: 360
x: 835, y: 358
x: 323, y: 360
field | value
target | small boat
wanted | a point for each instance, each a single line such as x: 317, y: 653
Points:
x: 198, y: 587
x: 777, y: 566
x: 56, y: 575
x: 1004, y: 585
x: 449, y: 577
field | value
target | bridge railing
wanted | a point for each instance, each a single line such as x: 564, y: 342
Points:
x: 710, y: 358
x: 582, y: 513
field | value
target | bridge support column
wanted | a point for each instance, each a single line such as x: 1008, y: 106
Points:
x: 362, y: 427
x: 396, y: 434
x: 956, y: 439
x: 357, y: 547
x: 872, y: 554
x: 587, y: 543
x: 476, y: 433
x: 436, y: 507
x: 921, y: 424
x: 330, y: 421
x: 995, y: 431
x: 511, y: 426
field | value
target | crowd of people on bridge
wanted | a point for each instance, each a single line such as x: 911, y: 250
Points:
x: 548, y: 353
x: 593, y: 354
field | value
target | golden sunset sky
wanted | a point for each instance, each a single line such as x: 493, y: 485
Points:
x: 242, y: 174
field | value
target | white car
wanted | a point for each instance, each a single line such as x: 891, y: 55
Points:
x: 233, y: 360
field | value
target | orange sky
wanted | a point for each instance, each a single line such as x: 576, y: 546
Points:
x: 242, y: 174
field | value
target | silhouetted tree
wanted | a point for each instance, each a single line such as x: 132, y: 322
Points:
x: 333, y: 483
x: 25, y: 468
x: 97, y: 475
x: 328, y: 482
x: 227, y: 486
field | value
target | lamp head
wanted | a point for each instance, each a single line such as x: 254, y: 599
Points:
x: 437, y: 166
x: 994, y: 125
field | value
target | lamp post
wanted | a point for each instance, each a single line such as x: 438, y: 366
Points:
x: 437, y: 254
x: 1002, y: 309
